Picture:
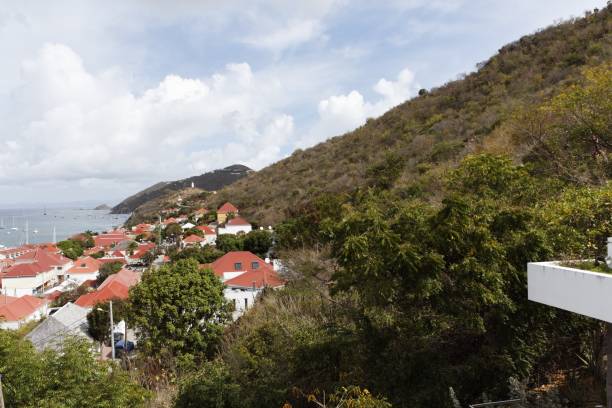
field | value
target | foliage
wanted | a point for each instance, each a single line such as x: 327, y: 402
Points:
x: 70, y: 378
x: 203, y: 255
x: 258, y: 242
x: 107, y: 269
x: 228, y: 242
x: 71, y: 248
x: 212, y: 386
x: 475, y: 113
x: 98, y: 319
x: 179, y: 309
x: 71, y: 294
x: 172, y: 231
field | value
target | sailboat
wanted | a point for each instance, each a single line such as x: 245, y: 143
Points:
x: 14, y: 228
x: 1, y: 223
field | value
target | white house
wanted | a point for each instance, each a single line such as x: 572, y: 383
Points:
x: 245, y: 275
x: 34, y: 272
x: 234, y: 226
x: 15, y: 312
x: 84, y: 269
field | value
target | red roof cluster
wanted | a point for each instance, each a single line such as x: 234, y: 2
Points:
x: 110, y: 238
x: 35, y: 262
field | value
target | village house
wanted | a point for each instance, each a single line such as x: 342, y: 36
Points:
x: 34, y: 272
x: 210, y: 236
x: 235, y: 226
x: 245, y: 276
x: 84, y: 269
x: 191, y: 241
x: 199, y: 213
x: 17, y: 311
x: 225, y: 210
x: 110, y: 239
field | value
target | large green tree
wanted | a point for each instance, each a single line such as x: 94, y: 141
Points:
x: 179, y: 309
x: 71, y: 378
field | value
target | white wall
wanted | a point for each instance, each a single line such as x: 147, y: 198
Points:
x: 240, y: 296
x: 82, y: 277
x: 234, y: 229
x: 583, y: 292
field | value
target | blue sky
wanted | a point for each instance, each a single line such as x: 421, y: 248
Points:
x: 101, y: 99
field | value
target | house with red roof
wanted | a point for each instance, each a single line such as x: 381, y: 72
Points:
x: 245, y: 276
x: 192, y: 240
x: 225, y: 210
x: 235, y: 226
x: 199, y: 213
x: 84, y: 269
x: 16, y: 311
x: 34, y: 272
x: 110, y: 239
x: 116, y: 286
x: 210, y: 235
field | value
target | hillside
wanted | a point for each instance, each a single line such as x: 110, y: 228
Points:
x: 210, y: 181
x: 481, y: 112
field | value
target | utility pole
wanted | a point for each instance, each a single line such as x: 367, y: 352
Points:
x: 112, y: 331
x: 1, y: 393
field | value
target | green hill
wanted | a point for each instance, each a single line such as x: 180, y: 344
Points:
x: 210, y: 181
x: 484, y: 111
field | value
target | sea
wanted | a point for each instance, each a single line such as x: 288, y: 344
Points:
x: 40, y: 224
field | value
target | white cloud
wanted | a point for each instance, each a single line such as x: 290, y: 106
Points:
x: 79, y: 125
x: 294, y: 33
x: 341, y: 113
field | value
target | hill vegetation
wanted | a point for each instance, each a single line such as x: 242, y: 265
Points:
x: 211, y: 181
x: 497, y: 109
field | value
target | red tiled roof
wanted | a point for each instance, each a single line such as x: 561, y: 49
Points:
x: 258, y: 278
x: 193, y: 239
x: 85, y: 265
x: 53, y: 295
x: 246, y: 259
x: 206, y: 230
x: 116, y: 286
x: 20, y: 308
x: 110, y: 238
x: 112, y: 259
x: 24, y: 270
x: 238, y: 221
x: 44, y: 258
x: 227, y: 208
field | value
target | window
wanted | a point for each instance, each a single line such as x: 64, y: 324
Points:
x: 255, y: 265
x: 246, y: 303
x: 238, y: 266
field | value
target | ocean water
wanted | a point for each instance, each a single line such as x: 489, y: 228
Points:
x: 67, y: 222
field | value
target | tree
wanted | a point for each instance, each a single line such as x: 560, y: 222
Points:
x: 179, y: 309
x: 98, y: 319
x: 203, y: 255
x: 148, y: 258
x: 71, y: 248
x: 108, y: 269
x: 228, y: 242
x: 132, y: 246
x: 172, y: 231
x: 258, y: 242
x: 70, y: 378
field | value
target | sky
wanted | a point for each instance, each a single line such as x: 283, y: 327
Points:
x: 101, y: 99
